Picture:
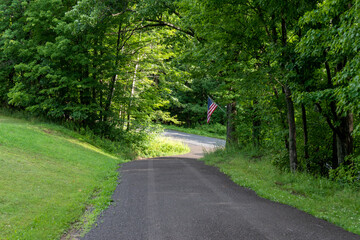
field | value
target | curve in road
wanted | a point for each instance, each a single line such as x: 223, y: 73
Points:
x: 180, y: 198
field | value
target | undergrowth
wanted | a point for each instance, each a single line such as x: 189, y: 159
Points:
x: 141, y: 142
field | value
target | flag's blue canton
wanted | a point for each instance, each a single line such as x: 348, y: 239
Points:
x: 211, y: 108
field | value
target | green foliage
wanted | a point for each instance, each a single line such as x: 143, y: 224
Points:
x: 347, y: 173
x: 281, y: 161
x: 248, y: 53
x: 110, y: 68
x: 84, y: 62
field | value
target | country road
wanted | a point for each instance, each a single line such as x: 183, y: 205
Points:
x: 178, y: 197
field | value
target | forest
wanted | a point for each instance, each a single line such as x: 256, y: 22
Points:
x: 287, y: 72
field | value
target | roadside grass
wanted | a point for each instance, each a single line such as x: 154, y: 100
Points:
x: 52, y: 180
x: 162, y: 146
x: 319, y: 196
x: 214, y: 131
x: 48, y: 179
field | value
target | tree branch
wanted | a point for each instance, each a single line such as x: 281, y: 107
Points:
x: 162, y: 23
x: 328, y: 120
x: 120, y: 13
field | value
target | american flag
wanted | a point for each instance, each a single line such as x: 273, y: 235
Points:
x: 211, y: 108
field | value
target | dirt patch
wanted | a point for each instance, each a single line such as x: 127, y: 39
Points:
x: 48, y: 131
x: 73, y: 234
x: 256, y: 157
x: 293, y: 192
x: 77, y: 230
x: 279, y: 183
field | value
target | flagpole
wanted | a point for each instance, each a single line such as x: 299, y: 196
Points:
x: 218, y: 105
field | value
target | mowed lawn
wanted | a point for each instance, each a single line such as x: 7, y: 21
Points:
x: 48, y: 179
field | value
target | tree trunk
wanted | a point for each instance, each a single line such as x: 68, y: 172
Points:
x: 132, y: 91
x: 334, y: 160
x: 305, y: 129
x: 256, y: 123
x: 85, y: 93
x: 343, y: 132
x: 230, y: 128
x: 114, y: 78
x: 132, y: 95
x: 11, y: 78
x: 290, y: 107
x: 282, y: 119
x: 101, y: 102
x: 9, y: 84
x: 292, y: 129
x: 344, y: 139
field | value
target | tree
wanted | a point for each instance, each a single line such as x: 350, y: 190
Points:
x: 323, y: 41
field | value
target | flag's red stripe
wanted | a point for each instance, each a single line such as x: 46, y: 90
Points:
x: 212, y: 108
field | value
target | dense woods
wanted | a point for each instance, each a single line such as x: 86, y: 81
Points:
x: 287, y: 71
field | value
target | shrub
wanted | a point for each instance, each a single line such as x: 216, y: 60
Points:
x: 348, y: 172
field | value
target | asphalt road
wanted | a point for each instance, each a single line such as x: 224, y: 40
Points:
x: 180, y: 198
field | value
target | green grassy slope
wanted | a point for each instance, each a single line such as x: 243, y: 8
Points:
x: 48, y: 179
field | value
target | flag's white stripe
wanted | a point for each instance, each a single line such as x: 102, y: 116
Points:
x: 210, y: 112
x: 212, y: 108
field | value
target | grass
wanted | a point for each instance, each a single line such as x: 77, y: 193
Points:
x: 214, y: 131
x: 50, y: 179
x: 163, y: 146
x: 321, y: 197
